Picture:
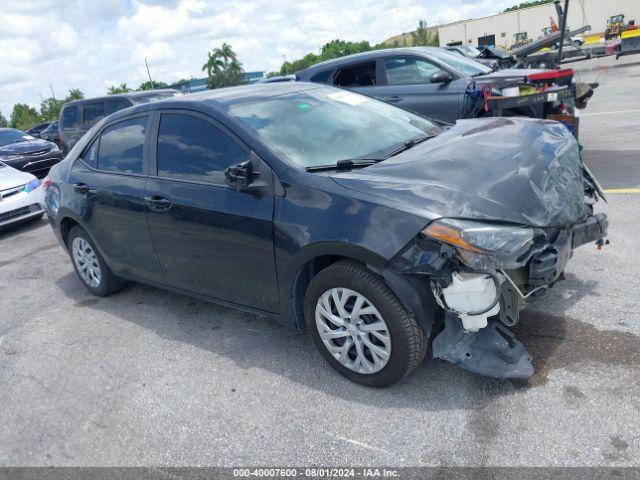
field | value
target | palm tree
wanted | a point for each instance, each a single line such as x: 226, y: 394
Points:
x: 226, y: 53
x: 214, y: 64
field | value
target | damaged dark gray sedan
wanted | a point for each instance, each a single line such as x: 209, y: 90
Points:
x: 331, y: 210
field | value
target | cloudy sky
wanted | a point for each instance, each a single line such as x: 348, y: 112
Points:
x: 93, y: 44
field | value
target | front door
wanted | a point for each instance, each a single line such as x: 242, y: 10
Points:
x: 408, y: 84
x: 210, y: 238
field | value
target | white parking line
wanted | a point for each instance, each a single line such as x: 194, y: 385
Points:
x: 618, y: 112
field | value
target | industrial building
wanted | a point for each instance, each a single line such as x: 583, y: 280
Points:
x: 500, y: 29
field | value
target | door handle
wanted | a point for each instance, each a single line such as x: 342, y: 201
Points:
x: 157, y: 203
x: 394, y: 98
x: 83, y: 188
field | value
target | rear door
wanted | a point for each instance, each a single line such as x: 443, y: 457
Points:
x: 108, y: 184
x: 210, y: 238
x: 407, y: 83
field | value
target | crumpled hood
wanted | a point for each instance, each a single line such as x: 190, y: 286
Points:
x: 28, y: 146
x: 10, y: 177
x: 517, y: 170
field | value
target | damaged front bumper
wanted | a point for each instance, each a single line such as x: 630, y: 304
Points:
x: 482, y: 304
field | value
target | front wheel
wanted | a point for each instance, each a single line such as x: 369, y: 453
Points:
x: 90, y: 266
x: 360, y: 327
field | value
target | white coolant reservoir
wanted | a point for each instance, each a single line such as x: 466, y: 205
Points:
x: 471, y: 292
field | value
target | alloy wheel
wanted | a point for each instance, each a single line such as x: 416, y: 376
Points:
x: 86, y: 262
x: 353, y: 330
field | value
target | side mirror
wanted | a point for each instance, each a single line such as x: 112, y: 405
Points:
x: 441, y: 77
x: 239, y: 176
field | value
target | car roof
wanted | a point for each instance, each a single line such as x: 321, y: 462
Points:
x: 225, y: 96
x: 133, y: 96
x: 364, y: 56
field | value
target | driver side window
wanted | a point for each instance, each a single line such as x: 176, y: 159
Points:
x: 408, y: 71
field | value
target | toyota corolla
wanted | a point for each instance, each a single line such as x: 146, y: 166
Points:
x: 333, y: 211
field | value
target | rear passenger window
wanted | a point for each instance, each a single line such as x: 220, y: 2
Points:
x: 117, y: 104
x: 190, y: 148
x: 122, y: 145
x: 408, y: 71
x: 361, y: 75
x: 322, y: 77
x: 91, y: 113
x: 70, y: 116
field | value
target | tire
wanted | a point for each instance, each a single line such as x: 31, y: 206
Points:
x: 105, y: 282
x: 404, y: 340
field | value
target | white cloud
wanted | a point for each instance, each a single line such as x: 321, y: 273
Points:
x: 93, y: 44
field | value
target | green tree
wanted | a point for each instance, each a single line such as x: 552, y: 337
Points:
x: 50, y: 108
x: 533, y: 3
x: 340, y: 48
x: 152, y: 85
x: 334, y: 49
x: 223, y: 68
x: 24, y: 116
x: 420, y: 37
x: 3, y: 121
x: 74, y: 94
x: 122, y: 88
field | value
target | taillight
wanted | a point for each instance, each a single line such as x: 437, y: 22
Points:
x: 46, y: 183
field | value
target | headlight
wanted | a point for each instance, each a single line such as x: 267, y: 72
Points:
x: 55, y: 148
x: 32, y: 185
x: 483, y: 246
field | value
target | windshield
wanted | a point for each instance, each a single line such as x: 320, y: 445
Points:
x: 11, y: 135
x: 472, y: 52
x: 323, y: 125
x: 465, y: 65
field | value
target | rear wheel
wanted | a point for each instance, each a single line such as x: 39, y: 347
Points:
x: 360, y: 327
x: 90, y: 266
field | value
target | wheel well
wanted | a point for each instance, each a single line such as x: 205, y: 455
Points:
x: 66, y: 224
x: 301, y: 282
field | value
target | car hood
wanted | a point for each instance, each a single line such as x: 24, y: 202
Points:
x: 26, y: 147
x: 516, y: 170
x: 10, y: 177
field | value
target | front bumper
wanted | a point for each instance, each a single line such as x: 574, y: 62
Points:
x: 19, y: 206
x: 547, y: 265
x: 481, y: 341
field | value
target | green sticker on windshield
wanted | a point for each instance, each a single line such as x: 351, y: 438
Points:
x: 304, y: 106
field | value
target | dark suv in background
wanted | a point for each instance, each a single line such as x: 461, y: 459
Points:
x: 78, y: 116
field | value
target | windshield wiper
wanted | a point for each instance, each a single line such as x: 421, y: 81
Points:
x: 412, y: 142
x: 345, y: 164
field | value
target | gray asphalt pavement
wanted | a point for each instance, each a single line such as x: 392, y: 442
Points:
x: 147, y: 377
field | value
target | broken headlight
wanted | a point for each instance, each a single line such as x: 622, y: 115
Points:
x: 483, y: 246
